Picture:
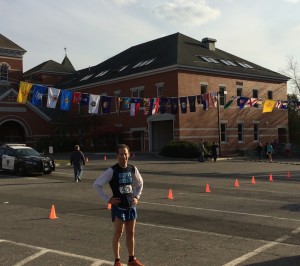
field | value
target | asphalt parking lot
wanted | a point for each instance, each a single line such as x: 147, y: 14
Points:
x: 251, y: 216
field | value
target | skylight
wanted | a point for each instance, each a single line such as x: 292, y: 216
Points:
x: 245, y: 65
x: 102, y: 73
x: 228, y: 62
x: 144, y: 63
x: 122, y: 68
x: 209, y: 59
x: 86, y: 77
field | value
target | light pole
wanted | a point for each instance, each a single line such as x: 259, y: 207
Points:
x: 219, y: 124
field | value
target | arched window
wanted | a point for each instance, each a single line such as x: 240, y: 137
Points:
x: 3, y: 71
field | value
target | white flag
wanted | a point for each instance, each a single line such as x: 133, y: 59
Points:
x: 53, y: 95
x: 94, y: 103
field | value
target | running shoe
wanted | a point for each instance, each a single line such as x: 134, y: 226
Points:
x: 135, y: 262
x: 118, y: 263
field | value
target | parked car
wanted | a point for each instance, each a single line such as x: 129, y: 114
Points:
x: 22, y: 159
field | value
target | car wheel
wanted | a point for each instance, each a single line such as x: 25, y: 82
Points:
x: 20, y: 170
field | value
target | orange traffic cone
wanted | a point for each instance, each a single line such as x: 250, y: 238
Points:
x: 104, y: 157
x: 253, y: 180
x: 271, y: 178
x: 52, y: 213
x: 288, y: 174
x: 109, y: 206
x: 207, y: 190
x: 87, y: 159
x: 170, y: 195
x: 236, y: 183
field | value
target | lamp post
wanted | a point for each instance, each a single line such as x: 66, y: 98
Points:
x: 219, y: 124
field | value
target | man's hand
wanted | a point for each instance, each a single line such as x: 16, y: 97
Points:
x: 114, y: 201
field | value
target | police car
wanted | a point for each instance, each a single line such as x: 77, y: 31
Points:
x: 22, y: 159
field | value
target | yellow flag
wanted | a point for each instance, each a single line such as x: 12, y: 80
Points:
x: 24, y: 90
x: 268, y: 106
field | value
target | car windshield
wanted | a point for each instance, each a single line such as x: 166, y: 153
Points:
x: 27, y: 152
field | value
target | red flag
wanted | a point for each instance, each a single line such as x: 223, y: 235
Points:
x: 77, y: 97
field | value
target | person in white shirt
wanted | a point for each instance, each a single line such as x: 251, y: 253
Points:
x: 126, y: 184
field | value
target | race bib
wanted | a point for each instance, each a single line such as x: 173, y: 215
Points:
x: 125, y: 189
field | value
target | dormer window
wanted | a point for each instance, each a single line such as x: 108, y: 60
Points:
x: 228, y: 62
x: 245, y: 65
x: 101, y: 73
x: 86, y: 77
x: 209, y: 59
x: 144, y: 63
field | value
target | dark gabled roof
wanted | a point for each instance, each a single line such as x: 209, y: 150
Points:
x: 67, y: 63
x: 172, y: 51
x: 51, y: 66
x: 9, y: 45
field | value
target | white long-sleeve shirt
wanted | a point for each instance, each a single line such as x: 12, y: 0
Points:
x: 106, y: 177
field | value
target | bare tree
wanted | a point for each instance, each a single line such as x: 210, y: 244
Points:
x: 293, y: 72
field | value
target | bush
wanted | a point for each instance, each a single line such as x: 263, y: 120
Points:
x: 180, y: 149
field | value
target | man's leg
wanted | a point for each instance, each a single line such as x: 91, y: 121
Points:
x: 118, y: 230
x: 130, y: 230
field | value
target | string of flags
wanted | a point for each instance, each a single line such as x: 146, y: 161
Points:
x: 101, y: 103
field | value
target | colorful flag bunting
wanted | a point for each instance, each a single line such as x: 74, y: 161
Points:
x: 214, y: 98
x: 84, y: 99
x: 205, y: 101
x: 230, y: 102
x: 126, y: 103
x: 94, y: 103
x: 37, y: 96
x: 192, y: 103
x: 24, y: 90
x: 242, y: 101
x: 268, y: 106
x: 163, y: 104
x: 66, y: 99
x: 105, y: 104
x: 174, y: 105
x: 53, y: 95
x: 77, y: 97
x: 134, y: 106
x: 183, y: 104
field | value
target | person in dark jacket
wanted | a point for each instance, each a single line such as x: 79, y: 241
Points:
x: 214, y: 151
x: 77, y: 160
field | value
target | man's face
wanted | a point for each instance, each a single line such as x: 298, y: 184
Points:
x: 123, y: 156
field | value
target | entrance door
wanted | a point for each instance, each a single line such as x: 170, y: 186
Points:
x: 162, y: 133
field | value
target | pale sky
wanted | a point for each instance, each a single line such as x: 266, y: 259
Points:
x: 264, y: 32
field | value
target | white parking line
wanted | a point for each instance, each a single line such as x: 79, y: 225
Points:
x: 257, y: 251
x: 42, y: 251
x: 221, y: 211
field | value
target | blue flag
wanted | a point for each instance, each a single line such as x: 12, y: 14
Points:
x: 183, y: 104
x: 37, y: 96
x: 84, y: 99
x: 105, y: 104
x: 163, y: 104
x: 174, y: 105
x: 66, y: 99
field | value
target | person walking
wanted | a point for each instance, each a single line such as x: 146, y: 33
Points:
x: 269, y: 151
x: 202, y: 151
x: 259, y: 150
x: 126, y: 184
x: 288, y: 149
x: 214, y: 151
x: 77, y: 160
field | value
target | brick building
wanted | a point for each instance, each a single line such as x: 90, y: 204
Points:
x: 25, y: 123
x: 176, y: 66
x: 169, y: 67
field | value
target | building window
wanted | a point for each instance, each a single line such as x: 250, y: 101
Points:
x: 270, y: 95
x: 240, y: 132
x: 255, y: 93
x: 222, y: 95
x: 256, y: 132
x: 4, y: 72
x: 239, y: 93
x: 160, y: 89
x: 203, y: 88
x: 223, y: 127
x: 137, y: 92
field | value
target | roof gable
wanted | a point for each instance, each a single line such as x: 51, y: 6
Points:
x: 6, y: 43
x: 50, y: 66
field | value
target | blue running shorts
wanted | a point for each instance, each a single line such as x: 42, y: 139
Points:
x: 123, y: 214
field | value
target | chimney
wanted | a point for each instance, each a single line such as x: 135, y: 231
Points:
x: 209, y: 43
